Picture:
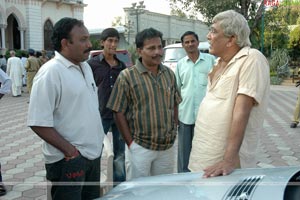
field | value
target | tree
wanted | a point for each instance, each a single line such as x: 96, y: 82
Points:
x: 294, y: 43
x: 95, y: 44
x: 276, y: 33
x: 177, y: 11
x: 252, y: 10
x: 249, y: 8
x: 117, y: 21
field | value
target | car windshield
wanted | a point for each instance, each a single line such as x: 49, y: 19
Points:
x: 123, y: 56
x: 173, y: 54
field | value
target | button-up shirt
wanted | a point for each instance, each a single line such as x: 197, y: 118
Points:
x: 105, y: 77
x: 247, y: 73
x: 191, y: 80
x: 148, y: 102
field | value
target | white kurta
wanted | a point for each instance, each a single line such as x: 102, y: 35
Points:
x: 15, y: 72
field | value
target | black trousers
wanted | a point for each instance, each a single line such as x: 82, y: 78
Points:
x: 76, y: 179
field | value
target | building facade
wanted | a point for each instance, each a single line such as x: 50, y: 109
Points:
x: 29, y: 23
x: 172, y: 27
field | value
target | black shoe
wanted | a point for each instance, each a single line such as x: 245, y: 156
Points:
x: 293, y: 125
x: 2, y: 190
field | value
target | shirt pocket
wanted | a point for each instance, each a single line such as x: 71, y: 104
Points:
x: 202, y: 80
x: 224, y: 87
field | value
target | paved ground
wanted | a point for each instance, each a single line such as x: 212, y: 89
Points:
x: 23, y: 166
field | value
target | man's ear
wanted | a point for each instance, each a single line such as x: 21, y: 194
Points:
x: 101, y: 43
x: 139, y: 51
x: 64, y: 43
x: 231, y: 41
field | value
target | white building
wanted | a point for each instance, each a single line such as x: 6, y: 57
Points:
x: 172, y: 27
x: 29, y: 23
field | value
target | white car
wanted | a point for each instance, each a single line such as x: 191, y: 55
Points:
x: 280, y: 183
x: 174, y: 52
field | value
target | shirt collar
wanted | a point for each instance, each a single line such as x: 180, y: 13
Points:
x: 142, y: 69
x: 65, y: 61
x: 201, y: 57
x: 101, y: 57
x: 241, y: 53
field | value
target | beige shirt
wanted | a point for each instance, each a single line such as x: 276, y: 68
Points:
x: 247, y: 73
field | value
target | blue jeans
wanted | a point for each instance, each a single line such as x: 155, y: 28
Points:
x: 119, y: 174
x: 76, y: 179
x: 185, y: 137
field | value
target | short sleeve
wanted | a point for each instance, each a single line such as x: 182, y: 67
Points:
x: 118, y: 100
x: 254, y: 76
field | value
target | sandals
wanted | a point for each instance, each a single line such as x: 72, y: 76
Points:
x: 2, y: 190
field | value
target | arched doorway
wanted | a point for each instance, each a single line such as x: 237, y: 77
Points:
x: 48, y: 30
x: 13, y: 33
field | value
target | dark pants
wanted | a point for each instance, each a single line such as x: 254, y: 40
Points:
x: 0, y: 174
x: 76, y: 179
x: 185, y: 137
x: 119, y: 174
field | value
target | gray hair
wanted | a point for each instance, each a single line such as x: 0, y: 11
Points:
x: 233, y: 23
x: 12, y: 53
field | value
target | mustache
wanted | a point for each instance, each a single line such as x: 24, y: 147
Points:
x: 158, y: 56
x: 88, y: 50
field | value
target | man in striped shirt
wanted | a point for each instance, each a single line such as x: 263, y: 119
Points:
x: 144, y: 100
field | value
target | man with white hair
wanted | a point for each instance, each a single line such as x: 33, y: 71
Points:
x: 15, y: 72
x: 231, y: 115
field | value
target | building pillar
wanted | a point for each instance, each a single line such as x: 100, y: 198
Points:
x: 3, y: 27
x: 22, y: 31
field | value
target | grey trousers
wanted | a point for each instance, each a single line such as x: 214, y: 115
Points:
x: 185, y: 137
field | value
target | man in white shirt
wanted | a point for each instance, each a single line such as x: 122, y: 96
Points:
x: 15, y: 72
x: 63, y: 111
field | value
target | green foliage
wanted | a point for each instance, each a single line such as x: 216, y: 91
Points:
x: 276, y: 33
x: 117, y: 21
x: 209, y: 8
x: 251, y: 10
x: 275, y: 80
x: 279, y: 62
x: 291, y: 10
x: 179, y: 13
x: 18, y: 53
x: 294, y: 43
x: 133, y: 52
x: 95, y: 44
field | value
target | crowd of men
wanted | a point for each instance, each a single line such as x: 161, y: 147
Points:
x: 215, y: 102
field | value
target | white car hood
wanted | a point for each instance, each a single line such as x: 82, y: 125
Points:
x: 256, y: 184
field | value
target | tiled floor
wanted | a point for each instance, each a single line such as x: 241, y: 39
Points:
x: 23, y: 165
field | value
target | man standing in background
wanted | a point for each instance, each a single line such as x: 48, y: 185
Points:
x: 24, y: 61
x: 191, y: 77
x: 106, y: 68
x: 32, y: 67
x: 15, y: 72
